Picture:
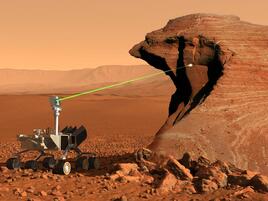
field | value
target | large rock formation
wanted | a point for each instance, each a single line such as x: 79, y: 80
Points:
x: 220, y: 106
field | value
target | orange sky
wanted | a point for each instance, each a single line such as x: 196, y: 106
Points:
x: 69, y: 34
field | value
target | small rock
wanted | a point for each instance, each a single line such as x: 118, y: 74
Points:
x: 43, y: 193
x: 244, y: 191
x: 240, y: 180
x: 205, y: 185
x: 69, y: 194
x: 213, y: 174
x: 17, y: 191
x: 59, y: 198
x: 179, y: 170
x: 135, y: 173
x: 114, y: 177
x: 189, y: 189
x: 202, y: 161
x: 260, y: 183
x: 185, y: 186
x: 132, y: 178
x: 143, y: 154
x: 126, y: 168
x: 167, y: 183
x: 234, y: 169
x: 44, y: 176
x: 186, y: 160
x: 145, y: 196
x: 222, y: 166
x: 9, y: 179
x: 148, y: 179
x: 122, y: 179
x: 23, y: 194
x: 4, y: 169
x: 30, y: 189
x: 249, y: 173
x: 57, y: 187
x: 123, y: 198
x: 53, y: 177
x: 56, y: 193
x: 80, y: 175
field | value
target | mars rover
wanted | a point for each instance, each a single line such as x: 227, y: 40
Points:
x: 51, y: 140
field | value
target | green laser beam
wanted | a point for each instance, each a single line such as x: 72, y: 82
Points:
x: 119, y: 84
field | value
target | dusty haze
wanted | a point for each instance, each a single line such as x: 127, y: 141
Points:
x: 81, y: 34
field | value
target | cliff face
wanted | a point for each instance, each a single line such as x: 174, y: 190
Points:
x: 220, y: 106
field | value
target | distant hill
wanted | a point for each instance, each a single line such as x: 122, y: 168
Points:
x: 13, y: 81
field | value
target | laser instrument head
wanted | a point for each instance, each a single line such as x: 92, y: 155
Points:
x: 55, y: 102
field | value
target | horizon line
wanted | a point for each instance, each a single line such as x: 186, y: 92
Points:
x: 70, y: 69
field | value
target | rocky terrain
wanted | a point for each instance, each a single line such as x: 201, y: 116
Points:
x: 144, y: 175
x: 219, y: 108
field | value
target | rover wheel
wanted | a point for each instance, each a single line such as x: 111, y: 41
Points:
x: 32, y: 164
x: 49, y: 162
x: 13, y: 163
x: 93, y: 163
x: 82, y: 163
x: 62, y: 167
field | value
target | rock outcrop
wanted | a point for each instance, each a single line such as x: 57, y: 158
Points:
x: 220, y: 105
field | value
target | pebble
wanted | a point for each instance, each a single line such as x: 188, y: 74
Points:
x: 80, y: 175
x: 56, y: 192
x: 44, y: 176
x: 4, y: 169
x: 17, y: 190
x: 59, y: 198
x: 123, y: 198
x: 146, y: 196
x: 30, y: 189
x: 43, y: 193
x: 23, y: 194
x: 57, y: 187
